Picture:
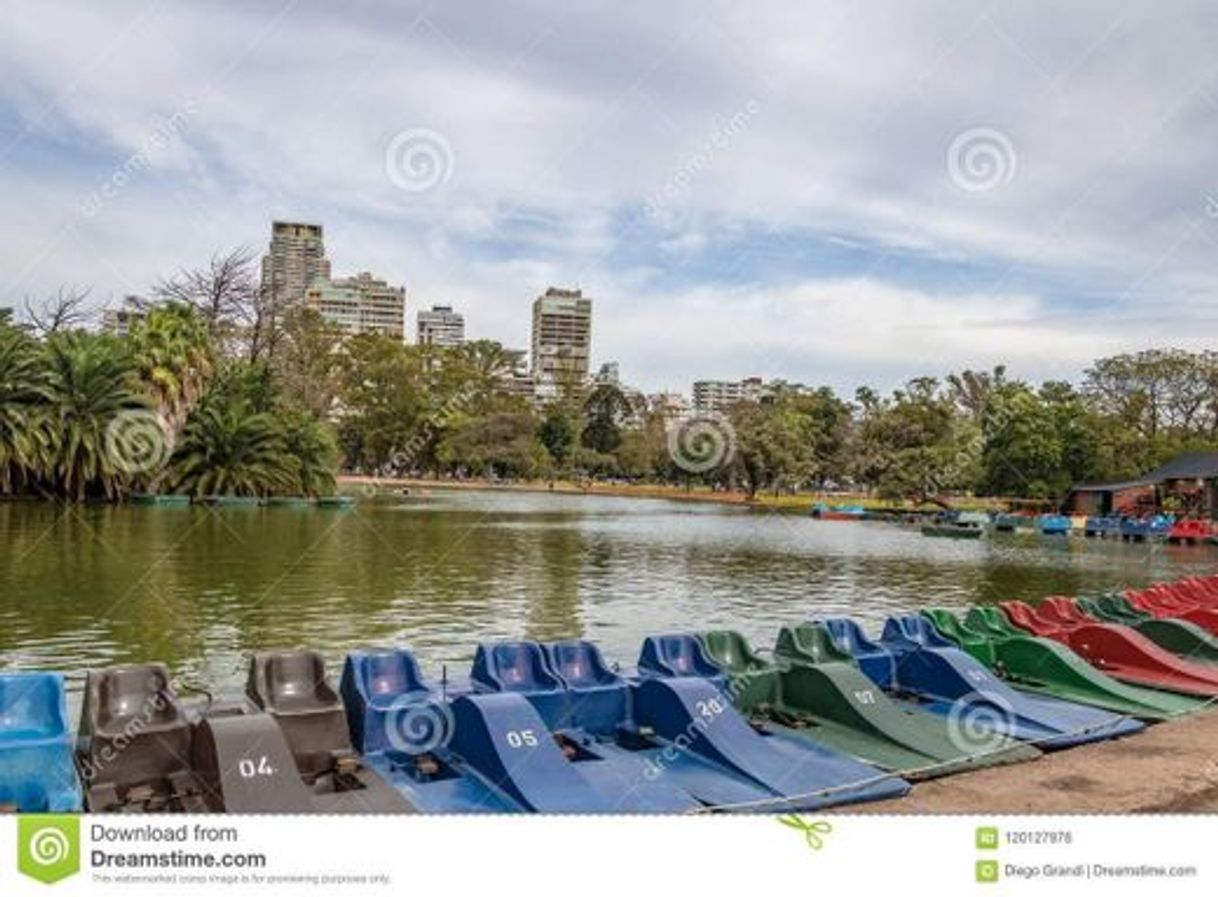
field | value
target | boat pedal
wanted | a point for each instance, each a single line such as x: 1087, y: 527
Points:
x: 140, y: 794
x: 346, y: 765
x: 8, y: 808
x: 426, y: 765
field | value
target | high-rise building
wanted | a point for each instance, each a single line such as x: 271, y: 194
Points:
x: 360, y: 304
x: 562, y: 339
x: 295, y: 260
x: 718, y: 395
x: 441, y: 326
x: 515, y: 378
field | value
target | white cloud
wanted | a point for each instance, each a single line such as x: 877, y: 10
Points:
x: 564, y: 119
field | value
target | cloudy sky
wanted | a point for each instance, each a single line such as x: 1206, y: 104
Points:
x: 828, y: 192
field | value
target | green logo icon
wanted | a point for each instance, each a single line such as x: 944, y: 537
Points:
x: 987, y: 838
x: 987, y: 871
x: 48, y: 847
x: 813, y: 829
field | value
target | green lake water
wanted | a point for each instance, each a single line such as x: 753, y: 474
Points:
x: 202, y: 588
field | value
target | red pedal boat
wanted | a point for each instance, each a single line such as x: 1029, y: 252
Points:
x: 1117, y: 650
x: 1166, y: 603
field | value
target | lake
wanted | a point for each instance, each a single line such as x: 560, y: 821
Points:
x: 201, y: 588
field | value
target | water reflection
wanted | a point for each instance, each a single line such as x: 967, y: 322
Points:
x: 202, y: 588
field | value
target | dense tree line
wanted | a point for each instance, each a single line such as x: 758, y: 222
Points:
x: 215, y: 391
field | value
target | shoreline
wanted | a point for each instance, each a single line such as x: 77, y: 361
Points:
x: 1170, y: 767
x: 787, y: 502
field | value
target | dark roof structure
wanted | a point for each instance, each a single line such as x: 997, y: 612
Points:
x: 1188, y: 466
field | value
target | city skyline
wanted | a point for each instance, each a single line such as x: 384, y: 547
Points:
x: 944, y: 189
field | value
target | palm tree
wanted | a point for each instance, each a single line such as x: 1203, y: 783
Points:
x: 88, y: 388
x: 174, y: 358
x: 312, y: 445
x: 23, y: 431
x: 227, y: 449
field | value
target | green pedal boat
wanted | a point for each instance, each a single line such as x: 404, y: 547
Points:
x: 815, y: 689
x: 1043, y: 666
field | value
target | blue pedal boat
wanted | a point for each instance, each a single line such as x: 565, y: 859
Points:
x: 650, y: 744
x: 683, y: 690
x: 1102, y: 527
x: 912, y: 659
x: 403, y: 729
x: 1053, y: 525
x: 37, y: 771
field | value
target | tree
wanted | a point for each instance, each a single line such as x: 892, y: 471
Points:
x: 971, y: 390
x: 606, y: 409
x: 501, y: 444
x: 230, y: 449
x: 174, y: 358
x: 59, y: 313
x: 308, y: 366
x: 771, y: 449
x: 384, y: 406
x: 557, y: 433
x: 912, y: 445
x: 310, y: 444
x: 24, y: 436
x: 89, y: 384
x: 227, y: 294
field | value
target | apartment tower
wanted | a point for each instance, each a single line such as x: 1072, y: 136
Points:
x: 562, y: 339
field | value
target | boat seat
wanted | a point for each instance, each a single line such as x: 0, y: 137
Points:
x: 135, y: 729
x: 580, y: 665
x: 732, y: 652
x: 387, y: 676
x: 599, y: 698
x: 290, y: 682
x: 992, y: 622
x: 808, y: 644
x: 913, y: 629
x: 522, y: 668
x: 31, y: 709
x: 677, y: 655
x: 873, y: 659
x: 37, y: 774
x: 377, y: 686
x: 1022, y: 615
x: 513, y: 666
x: 292, y: 687
x: 949, y: 625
